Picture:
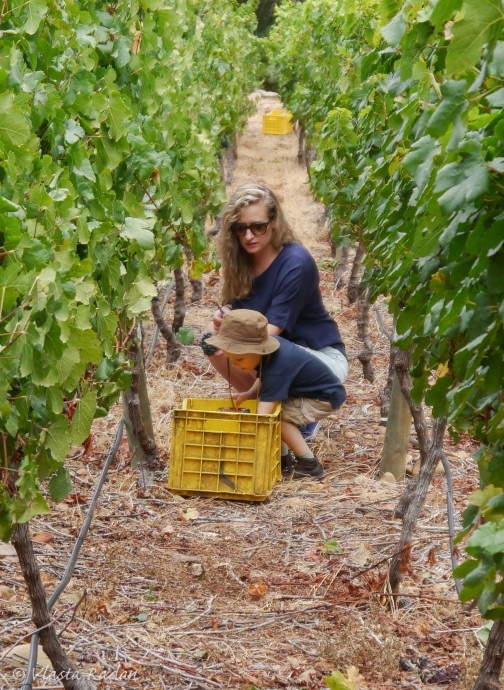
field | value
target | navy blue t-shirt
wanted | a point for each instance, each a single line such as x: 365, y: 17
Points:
x: 288, y: 295
x: 292, y: 372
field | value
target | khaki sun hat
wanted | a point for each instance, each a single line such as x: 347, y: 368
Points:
x: 244, y: 331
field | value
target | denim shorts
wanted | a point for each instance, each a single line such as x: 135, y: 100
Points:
x: 334, y: 359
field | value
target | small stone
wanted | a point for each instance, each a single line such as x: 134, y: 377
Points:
x: 437, y: 472
x: 388, y: 478
x: 197, y: 569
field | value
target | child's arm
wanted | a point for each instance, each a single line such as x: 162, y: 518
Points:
x: 265, y: 407
x: 251, y: 394
x: 274, y: 330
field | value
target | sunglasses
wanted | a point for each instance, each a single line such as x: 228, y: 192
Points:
x: 240, y: 229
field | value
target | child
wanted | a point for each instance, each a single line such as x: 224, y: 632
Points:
x: 286, y: 372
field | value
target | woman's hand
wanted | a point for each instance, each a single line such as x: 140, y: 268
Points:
x: 218, y: 316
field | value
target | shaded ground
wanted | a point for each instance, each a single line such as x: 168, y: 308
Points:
x: 202, y: 593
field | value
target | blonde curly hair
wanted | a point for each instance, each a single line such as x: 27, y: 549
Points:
x: 236, y: 264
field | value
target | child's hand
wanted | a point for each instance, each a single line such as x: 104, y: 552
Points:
x: 251, y: 394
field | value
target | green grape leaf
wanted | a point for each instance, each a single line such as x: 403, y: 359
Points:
x: 496, y: 99
x: 110, y: 153
x: 331, y: 546
x: 463, y: 569
x: 14, y: 128
x: 36, y: 11
x: 187, y: 210
x: 483, y: 633
x: 140, y: 294
x: 394, y: 30
x: 475, y: 577
x: 488, y: 537
x: 185, y: 336
x: 497, y: 61
x: 495, y: 508
x: 481, y: 19
x: 123, y: 51
x: 7, y: 205
x: 60, y: 484
x: 497, y: 164
x: 463, y: 182
x: 495, y: 274
x: 419, y: 160
x: 83, y: 418
x: 73, y: 132
x: 138, y: 230
x: 59, y: 440
x: 36, y: 506
x: 85, y: 169
x: 337, y: 681
x: 119, y: 117
x: 444, y: 11
x: 451, y: 106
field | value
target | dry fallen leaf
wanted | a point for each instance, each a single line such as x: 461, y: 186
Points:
x: 421, y: 628
x: 415, y: 471
x: 190, y: 514
x: 103, y: 608
x: 167, y: 530
x: 75, y: 498
x: 43, y: 537
x: 182, y: 557
x: 19, y: 655
x: 61, y: 507
x: 128, y: 666
x: 47, y: 579
x: 7, y: 550
x: 307, y: 676
x: 312, y: 555
x: 7, y: 593
x: 361, y: 555
x: 197, y: 371
x: 355, y: 678
x: 257, y: 590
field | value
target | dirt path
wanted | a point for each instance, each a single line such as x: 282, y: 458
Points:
x: 201, y: 593
x: 272, y: 159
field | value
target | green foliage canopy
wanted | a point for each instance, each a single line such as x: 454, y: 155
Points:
x: 403, y: 105
x: 113, y: 115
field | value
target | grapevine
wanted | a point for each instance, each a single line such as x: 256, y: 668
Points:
x: 408, y: 130
x: 113, y: 115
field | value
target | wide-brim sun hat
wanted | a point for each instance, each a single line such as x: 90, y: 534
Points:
x: 244, y: 331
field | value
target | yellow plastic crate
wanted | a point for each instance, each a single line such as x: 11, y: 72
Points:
x: 277, y: 122
x: 233, y: 455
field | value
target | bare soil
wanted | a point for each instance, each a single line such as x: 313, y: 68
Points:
x: 173, y: 592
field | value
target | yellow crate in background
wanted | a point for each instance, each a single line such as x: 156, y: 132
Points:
x: 277, y: 122
x: 225, y: 454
